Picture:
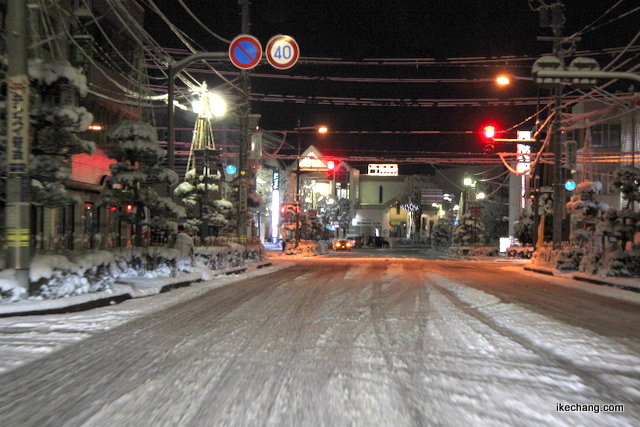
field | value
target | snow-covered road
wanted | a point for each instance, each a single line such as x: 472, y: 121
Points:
x: 368, y: 342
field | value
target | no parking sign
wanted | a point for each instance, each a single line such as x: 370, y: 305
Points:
x: 245, y: 51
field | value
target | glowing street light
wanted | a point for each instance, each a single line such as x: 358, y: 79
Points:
x: 209, y: 104
x: 503, y: 80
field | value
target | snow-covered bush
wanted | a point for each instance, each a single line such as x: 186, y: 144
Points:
x: 621, y: 264
x: 220, y: 257
x: 591, y: 261
x: 307, y: 248
x: 484, y: 251
x: 569, y: 258
x: 56, y: 276
x: 545, y: 256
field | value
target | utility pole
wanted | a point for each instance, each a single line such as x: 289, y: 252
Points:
x: 18, y: 206
x: 243, y: 144
x: 553, y: 16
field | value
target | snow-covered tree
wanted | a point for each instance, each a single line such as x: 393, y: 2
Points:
x: 523, y: 227
x: 494, y: 215
x: 469, y: 231
x: 410, y: 198
x: 626, y: 180
x: 585, y: 209
x: 56, y: 121
x: 441, y: 234
x: 200, y: 195
x: 139, y: 167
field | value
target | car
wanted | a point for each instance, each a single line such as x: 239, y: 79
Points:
x: 380, y: 242
x: 356, y: 241
x: 342, y: 245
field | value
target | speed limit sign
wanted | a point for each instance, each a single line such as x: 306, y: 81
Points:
x: 282, y: 52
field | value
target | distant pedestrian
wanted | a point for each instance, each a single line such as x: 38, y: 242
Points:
x: 184, y: 242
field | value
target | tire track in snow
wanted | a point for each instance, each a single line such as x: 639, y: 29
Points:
x: 488, y: 309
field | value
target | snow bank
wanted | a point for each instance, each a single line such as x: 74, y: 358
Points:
x: 57, y: 276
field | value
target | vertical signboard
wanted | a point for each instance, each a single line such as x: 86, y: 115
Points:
x: 18, y: 124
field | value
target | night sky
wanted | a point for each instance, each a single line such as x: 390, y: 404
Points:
x: 435, y: 29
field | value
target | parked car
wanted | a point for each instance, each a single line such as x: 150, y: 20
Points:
x: 380, y: 242
x: 342, y: 245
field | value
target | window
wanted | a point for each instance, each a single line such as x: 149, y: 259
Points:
x: 606, y: 135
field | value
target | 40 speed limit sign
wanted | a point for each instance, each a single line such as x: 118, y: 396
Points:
x: 282, y: 52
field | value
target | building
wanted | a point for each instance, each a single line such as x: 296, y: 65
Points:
x: 607, y: 136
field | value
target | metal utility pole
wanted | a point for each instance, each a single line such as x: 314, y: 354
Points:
x: 553, y: 16
x: 558, y: 171
x: 245, y: 110
x: 18, y: 206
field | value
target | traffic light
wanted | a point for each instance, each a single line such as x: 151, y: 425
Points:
x: 489, y: 132
x: 488, y: 136
x: 129, y: 209
x: 331, y: 167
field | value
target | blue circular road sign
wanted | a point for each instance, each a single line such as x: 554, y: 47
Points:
x: 245, y: 51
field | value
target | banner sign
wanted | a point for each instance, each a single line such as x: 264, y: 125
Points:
x: 18, y: 119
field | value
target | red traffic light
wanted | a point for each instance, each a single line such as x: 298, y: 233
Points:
x: 129, y: 209
x: 331, y: 167
x: 489, y: 132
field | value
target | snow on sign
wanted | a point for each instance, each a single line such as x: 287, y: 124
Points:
x: 282, y: 52
x: 245, y: 51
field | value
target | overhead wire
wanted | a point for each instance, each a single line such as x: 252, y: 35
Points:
x: 207, y: 29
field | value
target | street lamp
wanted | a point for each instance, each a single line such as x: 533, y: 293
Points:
x: 319, y: 129
x: 506, y: 79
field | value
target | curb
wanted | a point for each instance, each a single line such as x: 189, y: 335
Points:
x: 584, y: 278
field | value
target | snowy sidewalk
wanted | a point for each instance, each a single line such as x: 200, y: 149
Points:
x: 625, y: 283
x: 124, y: 289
